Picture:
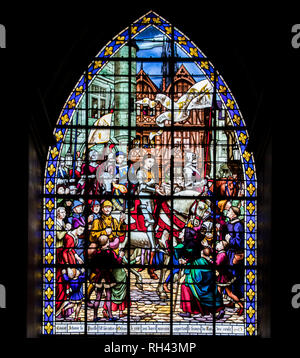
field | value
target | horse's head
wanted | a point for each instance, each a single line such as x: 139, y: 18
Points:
x: 200, y: 210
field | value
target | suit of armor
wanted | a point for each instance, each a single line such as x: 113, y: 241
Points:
x: 146, y: 188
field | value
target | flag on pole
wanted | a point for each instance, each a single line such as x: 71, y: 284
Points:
x: 199, y: 96
x: 100, y: 135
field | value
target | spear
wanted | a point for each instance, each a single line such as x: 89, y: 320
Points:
x: 75, y: 147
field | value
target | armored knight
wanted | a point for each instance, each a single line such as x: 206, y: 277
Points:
x: 147, y: 187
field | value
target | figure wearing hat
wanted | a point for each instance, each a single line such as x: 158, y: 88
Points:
x: 95, y: 212
x: 77, y: 211
x: 108, y: 225
x: 71, y: 243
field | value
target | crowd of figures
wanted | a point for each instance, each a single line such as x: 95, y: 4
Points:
x: 200, y: 243
x: 214, y: 265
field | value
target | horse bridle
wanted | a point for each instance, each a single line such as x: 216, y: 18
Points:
x: 195, y: 203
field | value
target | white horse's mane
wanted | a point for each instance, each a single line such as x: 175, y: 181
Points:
x: 182, y: 206
x: 188, y: 192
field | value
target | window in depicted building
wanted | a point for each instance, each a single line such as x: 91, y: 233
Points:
x: 149, y: 204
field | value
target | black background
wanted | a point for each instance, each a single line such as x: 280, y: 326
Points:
x: 49, y: 47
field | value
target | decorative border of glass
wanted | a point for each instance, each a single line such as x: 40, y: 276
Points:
x: 65, y: 118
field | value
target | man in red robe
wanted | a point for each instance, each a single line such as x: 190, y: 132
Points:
x: 67, y: 256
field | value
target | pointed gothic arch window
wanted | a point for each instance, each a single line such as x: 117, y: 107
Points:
x: 149, y: 223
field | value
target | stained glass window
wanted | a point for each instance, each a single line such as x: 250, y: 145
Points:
x: 149, y: 204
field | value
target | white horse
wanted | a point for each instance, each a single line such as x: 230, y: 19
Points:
x: 184, y: 209
x: 185, y: 204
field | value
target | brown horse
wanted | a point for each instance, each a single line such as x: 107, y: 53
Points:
x: 225, y: 187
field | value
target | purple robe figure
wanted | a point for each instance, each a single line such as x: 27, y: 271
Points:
x: 235, y: 239
x: 236, y: 242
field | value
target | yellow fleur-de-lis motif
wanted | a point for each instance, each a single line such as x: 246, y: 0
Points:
x: 108, y: 51
x: 194, y: 51
x: 230, y: 103
x: 246, y: 155
x: 242, y: 137
x: 182, y: 40
x: 49, y: 186
x: 250, y: 311
x: 168, y: 30
x: 49, y: 239
x: 48, y: 310
x: 250, y: 208
x: 49, y: 275
x: 48, y: 328
x: 250, y: 276
x: 50, y: 205
x: 49, y: 258
x: 250, y: 294
x: 49, y: 293
x: 71, y: 103
x: 204, y: 64
x: 236, y: 119
x: 64, y: 119
x: 251, y: 189
x: 54, y: 152
x: 250, y: 242
x: 251, y: 329
x: 250, y: 172
x: 90, y: 75
x: 250, y: 259
x: 51, y: 169
x: 222, y: 89
x: 133, y: 30
x: 97, y: 64
x: 250, y: 225
x: 157, y: 20
x: 78, y: 91
x: 59, y: 136
x: 146, y: 20
x: 49, y: 223
x: 120, y: 40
